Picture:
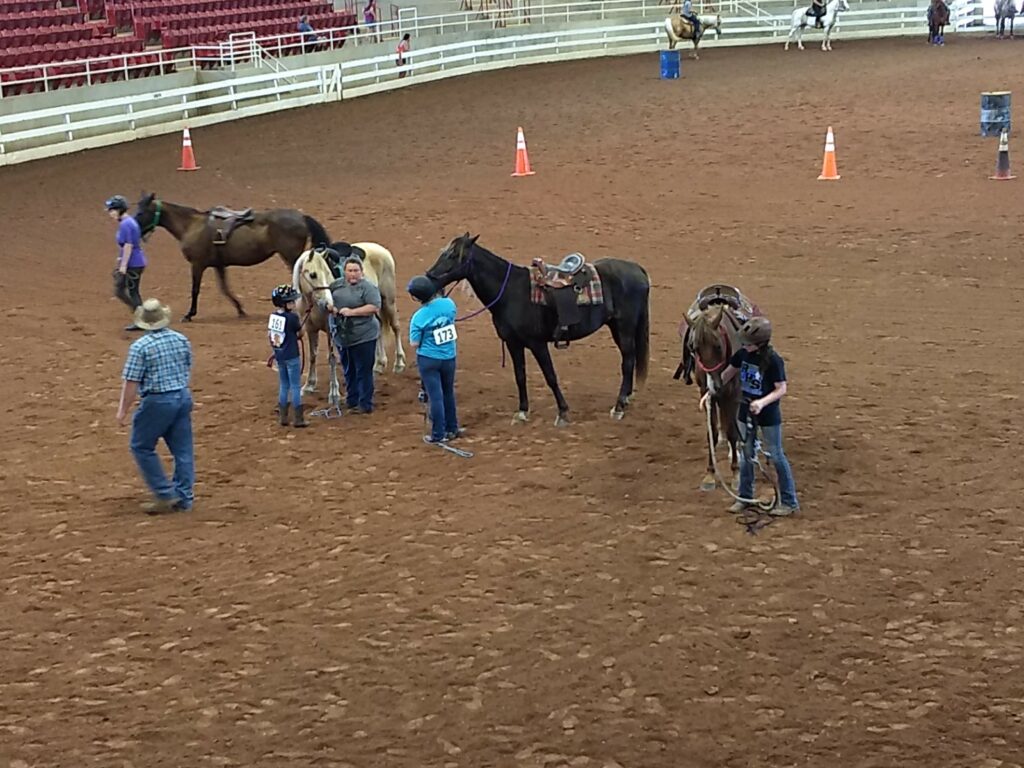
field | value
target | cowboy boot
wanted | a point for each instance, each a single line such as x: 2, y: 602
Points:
x: 300, y: 416
x: 283, y: 411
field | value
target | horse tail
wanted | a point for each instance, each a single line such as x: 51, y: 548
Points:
x: 317, y: 234
x: 643, y: 338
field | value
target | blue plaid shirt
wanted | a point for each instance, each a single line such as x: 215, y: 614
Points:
x: 160, y: 361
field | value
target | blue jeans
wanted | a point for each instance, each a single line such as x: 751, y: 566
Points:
x: 357, y: 364
x: 167, y: 415
x: 289, y: 373
x: 772, y: 437
x: 438, y: 377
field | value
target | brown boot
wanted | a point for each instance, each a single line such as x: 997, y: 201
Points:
x: 283, y: 411
x: 300, y: 416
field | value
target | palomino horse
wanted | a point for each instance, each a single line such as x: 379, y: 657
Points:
x: 802, y: 14
x: 507, y: 291
x: 710, y: 340
x: 312, y: 277
x: 379, y: 269
x: 679, y: 29
x: 221, y: 238
x: 938, y: 18
x: 1005, y: 9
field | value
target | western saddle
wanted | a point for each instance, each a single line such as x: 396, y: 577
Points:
x: 710, y: 296
x: 562, y: 283
x: 337, y: 253
x: 225, y: 221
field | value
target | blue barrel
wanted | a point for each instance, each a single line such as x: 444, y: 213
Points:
x: 995, y: 113
x: 670, y: 65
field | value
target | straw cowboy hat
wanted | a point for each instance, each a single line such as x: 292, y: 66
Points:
x: 152, y: 315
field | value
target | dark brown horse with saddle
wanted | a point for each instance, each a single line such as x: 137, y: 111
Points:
x: 222, y: 238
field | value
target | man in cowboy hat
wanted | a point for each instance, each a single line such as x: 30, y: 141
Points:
x: 158, y: 369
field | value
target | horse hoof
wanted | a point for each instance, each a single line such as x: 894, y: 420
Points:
x: 520, y: 417
x: 399, y: 367
x: 708, y: 484
x: 617, y: 414
x: 186, y: 319
x: 561, y: 420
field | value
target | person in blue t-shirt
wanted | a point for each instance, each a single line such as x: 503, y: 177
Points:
x: 762, y: 375
x: 131, y: 261
x: 284, y: 329
x: 432, y: 334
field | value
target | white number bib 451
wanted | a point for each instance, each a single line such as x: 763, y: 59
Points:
x: 275, y: 329
x: 445, y: 335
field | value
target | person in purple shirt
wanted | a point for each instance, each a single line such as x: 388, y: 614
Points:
x: 130, y: 258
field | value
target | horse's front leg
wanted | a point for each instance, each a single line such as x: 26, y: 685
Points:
x: 707, y: 483
x: 542, y: 355
x: 314, y: 347
x: 334, y: 390
x: 197, y: 282
x: 518, y: 354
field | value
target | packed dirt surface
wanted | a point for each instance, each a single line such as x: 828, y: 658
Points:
x: 347, y: 596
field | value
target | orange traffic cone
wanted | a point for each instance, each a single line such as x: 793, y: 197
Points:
x: 188, y: 158
x: 829, y: 172
x: 1003, y: 159
x: 522, y: 158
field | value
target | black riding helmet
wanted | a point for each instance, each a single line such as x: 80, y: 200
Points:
x: 422, y: 288
x: 117, y: 203
x: 283, y: 294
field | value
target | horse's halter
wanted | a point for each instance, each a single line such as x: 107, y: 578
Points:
x: 156, y: 220
x: 464, y: 266
x: 726, y: 349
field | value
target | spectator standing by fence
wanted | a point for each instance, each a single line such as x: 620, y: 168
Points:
x: 370, y: 19
x: 403, y: 48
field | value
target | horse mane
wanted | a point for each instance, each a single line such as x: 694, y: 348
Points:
x: 297, y: 269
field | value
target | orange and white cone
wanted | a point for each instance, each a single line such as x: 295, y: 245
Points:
x: 188, y: 158
x: 1003, y: 159
x: 522, y: 157
x: 829, y: 172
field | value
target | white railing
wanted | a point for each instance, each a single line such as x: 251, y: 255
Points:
x: 58, y: 130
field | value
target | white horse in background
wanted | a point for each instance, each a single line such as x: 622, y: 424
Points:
x: 801, y: 18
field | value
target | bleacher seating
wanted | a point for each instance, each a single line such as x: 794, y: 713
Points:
x: 46, y: 32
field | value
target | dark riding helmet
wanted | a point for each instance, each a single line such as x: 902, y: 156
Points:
x: 117, y: 203
x: 422, y: 288
x: 283, y: 294
x: 757, y: 330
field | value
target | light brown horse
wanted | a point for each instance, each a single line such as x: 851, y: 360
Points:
x: 712, y: 340
x: 680, y: 29
x: 248, y: 240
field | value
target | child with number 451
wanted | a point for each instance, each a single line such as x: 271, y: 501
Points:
x: 284, y: 329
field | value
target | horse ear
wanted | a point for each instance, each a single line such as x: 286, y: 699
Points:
x: 473, y: 239
x: 716, y: 318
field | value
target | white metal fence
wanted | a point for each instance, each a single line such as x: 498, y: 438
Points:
x: 59, y: 130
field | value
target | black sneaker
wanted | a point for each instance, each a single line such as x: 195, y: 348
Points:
x: 460, y: 432
x: 434, y: 441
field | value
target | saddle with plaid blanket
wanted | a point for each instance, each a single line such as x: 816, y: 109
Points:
x: 567, y: 286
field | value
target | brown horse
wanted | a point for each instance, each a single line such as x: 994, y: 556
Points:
x: 220, y: 238
x: 712, y: 340
x: 938, y: 18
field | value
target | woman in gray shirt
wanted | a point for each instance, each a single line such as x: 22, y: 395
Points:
x: 356, y: 329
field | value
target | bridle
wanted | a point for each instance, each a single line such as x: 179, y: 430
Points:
x: 467, y: 264
x: 151, y: 228
x: 726, y: 348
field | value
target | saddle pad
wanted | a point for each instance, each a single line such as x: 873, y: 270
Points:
x: 592, y: 293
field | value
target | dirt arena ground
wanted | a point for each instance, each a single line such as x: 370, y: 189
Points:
x: 346, y: 596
